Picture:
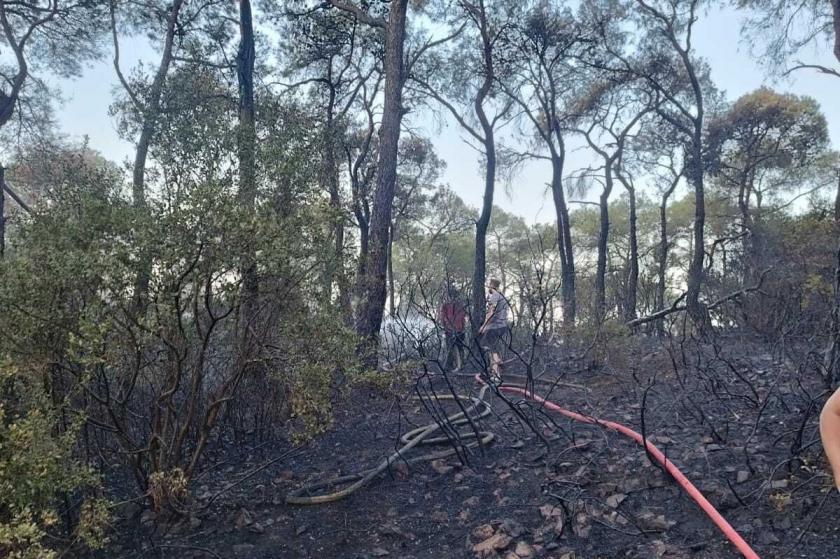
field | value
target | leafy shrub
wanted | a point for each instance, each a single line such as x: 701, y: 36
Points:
x: 36, y: 466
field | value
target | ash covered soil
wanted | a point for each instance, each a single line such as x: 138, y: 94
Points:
x: 738, y: 421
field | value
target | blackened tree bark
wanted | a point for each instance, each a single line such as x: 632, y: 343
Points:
x: 334, y: 272
x: 568, y: 292
x: 835, y: 12
x: 373, y: 284
x: 664, y: 247
x: 695, y: 268
x: 361, y: 174
x: 9, y: 100
x: 2, y: 211
x: 631, y: 296
x: 608, y: 112
x: 539, y: 79
x: 483, y: 221
x: 675, y: 23
x: 246, y: 147
x: 603, y: 238
x: 392, y: 296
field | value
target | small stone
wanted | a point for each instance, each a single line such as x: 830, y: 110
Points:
x: 549, y: 511
x: 614, y: 500
x: 195, y: 522
x: 494, y: 543
x: 524, y: 550
x: 379, y: 552
x: 481, y: 533
x: 301, y: 529
x: 653, y: 522
x: 256, y: 528
x: 779, y: 484
x: 441, y: 467
x: 743, y: 476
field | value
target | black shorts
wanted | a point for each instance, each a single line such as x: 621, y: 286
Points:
x: 495, y: 340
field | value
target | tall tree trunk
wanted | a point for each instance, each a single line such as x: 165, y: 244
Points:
x: 334, y: 273
x: 743, y: 208
x: 633, y: 271
x: 364, y: 248
x: 392, y: 307
x: 151, y: 113
x: 835, y: 10
x: 481, y: 226
x: 564, y: 240
x: 2, y: 211
x: 246, y: 146
x: 151, y: 110
x: 663, y: 255
x: 695, y: 268
x: 489, y: 141
x: 372, y: 305
x: 603, y: 238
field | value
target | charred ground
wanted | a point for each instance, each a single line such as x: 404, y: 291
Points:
x: 738, y: 419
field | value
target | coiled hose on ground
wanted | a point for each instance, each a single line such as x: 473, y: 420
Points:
x: 421, y: 435
x: 303, y: 495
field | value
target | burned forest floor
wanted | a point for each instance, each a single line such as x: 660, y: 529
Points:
x: 738, y: 418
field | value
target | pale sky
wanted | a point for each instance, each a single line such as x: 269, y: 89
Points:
x: 717, y: 39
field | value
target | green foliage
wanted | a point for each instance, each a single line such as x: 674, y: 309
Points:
x: 148, y: 383
x: 37, y: 465
x: 319, y: 350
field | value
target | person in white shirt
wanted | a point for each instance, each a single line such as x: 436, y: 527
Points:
x: 494, y: 330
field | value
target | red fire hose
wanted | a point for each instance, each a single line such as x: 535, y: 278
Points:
x: 695, y: 494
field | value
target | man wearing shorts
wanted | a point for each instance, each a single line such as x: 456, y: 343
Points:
x: 494, y: 330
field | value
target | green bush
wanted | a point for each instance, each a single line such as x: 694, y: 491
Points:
x: 37, y: 465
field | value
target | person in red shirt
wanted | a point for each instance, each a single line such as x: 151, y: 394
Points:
x: 452, y: 316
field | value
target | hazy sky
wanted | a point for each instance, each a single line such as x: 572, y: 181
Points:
x: 717, y: 39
